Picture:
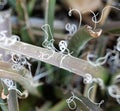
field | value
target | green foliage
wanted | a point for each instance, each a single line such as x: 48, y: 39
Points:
x: 50, y: 92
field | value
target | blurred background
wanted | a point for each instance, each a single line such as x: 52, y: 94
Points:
x: 27, y: 18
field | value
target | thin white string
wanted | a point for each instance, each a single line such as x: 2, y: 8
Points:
x: 94, y: 18
x: 48, y: 44
x: 80, y: 16
x: 99, y: 104
x: 99, y: 61
x: 114, y: 92
x: 95, y: 21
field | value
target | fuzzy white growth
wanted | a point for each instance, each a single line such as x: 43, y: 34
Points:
x: 114, y: 92
x: 94, y: 18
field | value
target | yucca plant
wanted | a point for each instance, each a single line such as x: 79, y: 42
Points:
x: 52, y: 70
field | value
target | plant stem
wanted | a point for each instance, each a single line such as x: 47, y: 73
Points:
x: 13, y: 101
x: 6, y: 26
x: 70, y: 63
x: 106, y: 12
x: 49, y: 19
x: 18, y: 76
x: 49, y: 16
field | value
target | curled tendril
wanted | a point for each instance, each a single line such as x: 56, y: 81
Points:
x: 99, y: 104
x: 114, y: 92
x: 15, y: 58
x: 19, y: 62
x: 11, y: 86
x: 70, y: 101
x: 98, y: 21
x: 88, y: 79
x: 8, y: 41
x: 64, y: 50
x: 72, y: 28
x: 80, y: 16
x: 93, y: 33
x: 46, y: 43
x: 63, y: 46
x: 100, y: 61
x: 100, y: 82
x: 49, y: 44
x: 17, y: 67
x: 9, y: 83
x: 20, y: 94
x: 15, y: 37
